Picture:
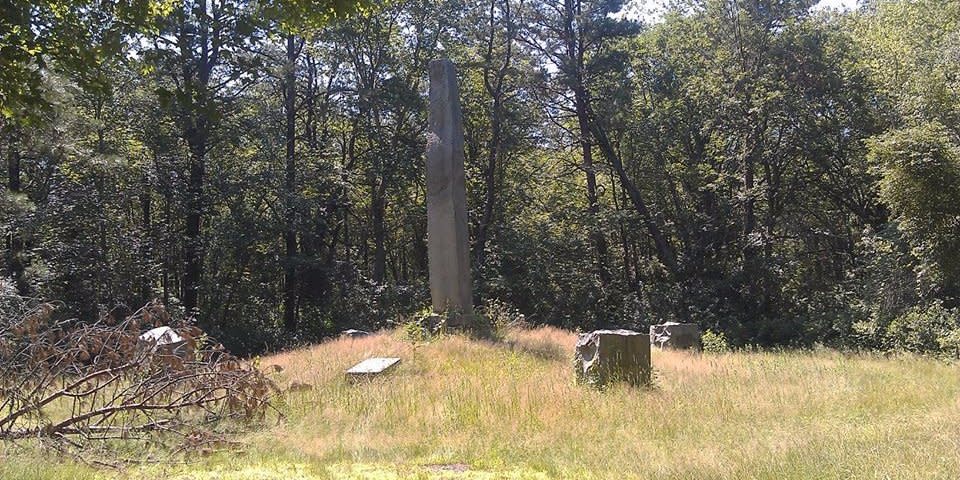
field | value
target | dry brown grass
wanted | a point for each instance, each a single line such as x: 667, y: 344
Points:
x: 458, y: 408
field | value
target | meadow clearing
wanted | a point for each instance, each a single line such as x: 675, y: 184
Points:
x: 461, y: 408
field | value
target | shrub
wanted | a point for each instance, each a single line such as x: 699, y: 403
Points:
x: 715, y: 342
x: 500, y: 317
x: 421, y: 327
x: 922, y: 330
x: 950, y: 343
x: 919, y: 171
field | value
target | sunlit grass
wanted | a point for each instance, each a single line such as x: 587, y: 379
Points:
x: 458, y: 408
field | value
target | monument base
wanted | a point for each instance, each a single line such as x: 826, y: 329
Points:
x: 472, y: 324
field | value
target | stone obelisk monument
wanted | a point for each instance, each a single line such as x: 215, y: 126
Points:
x: 448, y: 239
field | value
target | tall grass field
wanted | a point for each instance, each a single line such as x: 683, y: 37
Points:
x: 457, y: 408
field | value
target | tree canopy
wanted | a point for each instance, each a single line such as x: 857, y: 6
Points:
x: 781, y: 175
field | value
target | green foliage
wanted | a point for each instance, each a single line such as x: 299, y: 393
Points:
x: 306, y: 16
x: 425, y: 325
x: 924, y: 330
x: 502, y: 315
x: 75, y: 36
x: 911, y: 51
x: 800, y: 169
x: 714, y: 342
x: 919, y: 169
x: 950, y: 343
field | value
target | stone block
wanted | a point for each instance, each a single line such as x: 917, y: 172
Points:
x: 605, y: 356
x: 682, y: 336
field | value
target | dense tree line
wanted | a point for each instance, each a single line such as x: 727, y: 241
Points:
x: 783, y: 176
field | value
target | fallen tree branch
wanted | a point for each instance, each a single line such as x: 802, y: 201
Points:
x: 103, y: 381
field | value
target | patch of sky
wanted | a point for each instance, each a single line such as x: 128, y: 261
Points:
x: 651, y: 11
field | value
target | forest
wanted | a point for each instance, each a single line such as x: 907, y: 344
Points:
x: 778, y: 175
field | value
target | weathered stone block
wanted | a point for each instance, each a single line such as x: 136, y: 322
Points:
x: 605, y: 356
x: 676, y: 335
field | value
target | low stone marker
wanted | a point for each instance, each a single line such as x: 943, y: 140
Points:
x: 164, y: 340
x: 354, y: 333
x: 605, y: 356
x: 681, y: 336
x: 372, y: 366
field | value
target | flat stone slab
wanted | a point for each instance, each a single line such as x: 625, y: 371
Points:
x: 373, y: 366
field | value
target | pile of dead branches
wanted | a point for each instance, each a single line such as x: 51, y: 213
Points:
x: 77, y: 383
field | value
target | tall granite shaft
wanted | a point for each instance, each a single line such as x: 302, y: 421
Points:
x: 447, y: 235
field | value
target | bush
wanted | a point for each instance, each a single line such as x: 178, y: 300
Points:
x: 500, y: 317
x: 950, y: 343
x: 919, y: 171
x: 922, y: 330
x: 715, y: 342
x: 421, y: 327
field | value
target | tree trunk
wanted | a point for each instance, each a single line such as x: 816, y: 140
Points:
x: 310, y: 124
x: 749, y: 217
x: 193, y: 244
x: 13, y: 161
x: 146, y: 211
x: 290, y: 234
x: 196, y: 69
x: 749, y: 246
x: 593, y: 207
x: 573, y: 33
x: 15, y: 249
x: 378, y: 214
x: 494, y: 84
x: 165, y: 273
x: 664, y: 249
x: 619, y: 203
